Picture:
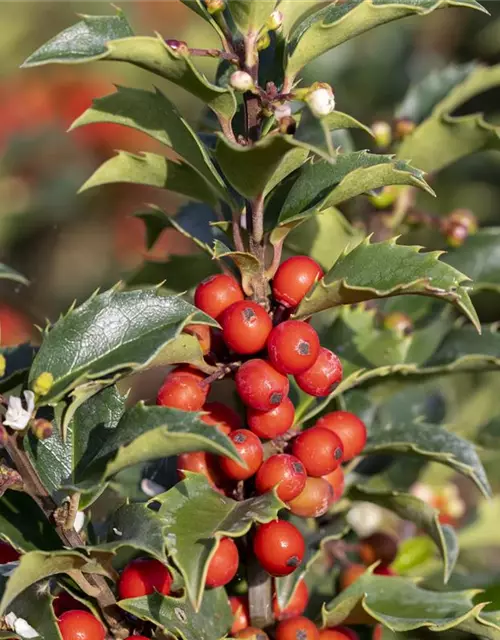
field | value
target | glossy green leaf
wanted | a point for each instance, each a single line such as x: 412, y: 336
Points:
x: 198, y: 516
x: 426, y: 518
x: 154, y: 114
x: 479, y: 257
x: 250, y: 15
x: 464, y: 350
x: 37, y: 565
x: 8, y: 273
x: 151, y: 170
x: 110, y: 334
x: 179, y: 272
x: 444, y: 137
x: 85, y: 41
x: 384, y: 269
x: 24, y: 525
x: 321, y: 184
x: 315, y: 552
x: 430, y: 441
x: 148, y: 433
x: 334, y: 23
x: 61, y: 463
x: 110, y: 38
x: 401, y: 605
x: 178, y: 616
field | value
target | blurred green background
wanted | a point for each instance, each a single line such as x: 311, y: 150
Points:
x: 69, y: 244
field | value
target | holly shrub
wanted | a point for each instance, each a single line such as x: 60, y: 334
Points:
x: 270, y: 491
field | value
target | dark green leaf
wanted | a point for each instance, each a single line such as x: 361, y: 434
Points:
x: 489, y: 435
x: 24, y: 525
x: 148, y: 433
x: 479, y: 258
x: 247, y: 263
x: 84, y: 41
x: 178, y: 617
x: 64, y: 463
x: 401, y: 605
x: 152, y: 170
x: 411, y: 508
x: 36, y: 565
x: 431, y: 442
x: 321, y: 184
x: 385, y: 269
x: 18, y: 360
x: 464, y: 350
x: 35, y: 607
x: 155, y: 115
x: 335, y: 23
x: 180, y: 272
x: 198, y: 516
x: 109, y: 334
x: 444, y: 137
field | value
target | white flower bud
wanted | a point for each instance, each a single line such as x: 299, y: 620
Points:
x: 16, y: 417
x: 282, y: 111
x: 20, y: 626
x: 79, y: 521
x: 321, y: 100
x: 382, y: 132
x: 241, y: 81
x: 275, y: 20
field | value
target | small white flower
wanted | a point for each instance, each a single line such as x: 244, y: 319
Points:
x: 151, y: 488
x: 20, y: 626
x: 422, y: 491
x: 241, y: 81
x: 79, y: 521
x: 16, y: 416
x: 275, y: 20
x: 282, y: 111
x: 365, y: 518
x: 321, y: 100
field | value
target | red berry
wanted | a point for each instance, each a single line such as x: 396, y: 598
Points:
x: 250, y: 449
x: 142, y: 577
x: 199, y: 462
x: 246, y: 327
x: 349, y: 428
x: 215, y: 294
x: 298, y: 628
x: 202, y: 333
x: 314, y: 499
x: 8, y: 553
x: 297, y: 604
x: 319, y: 450
x: 336, y: 480
x: 252, y: 632
x: 221, y: 416
x: 224, y: 563
x: 241, y: 615
x: 182, y: 389
x: 272, y: 423
x: 320, y: 379
x: 383, y: 570
x: 350, y: 574
x: 338, y: 633
x: 80, y: 625
x: 293, y: 346
x: 284, y: 471
x: 379, y: 546
x: 378, y: 632
x: 279, y: 547
x: 294, y: 278
x: 260, y: 386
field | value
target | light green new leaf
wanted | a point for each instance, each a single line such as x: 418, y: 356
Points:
x: 155, y: 115
x: 178, y: 617
x: 37, y: 565
x: 111, y: 38
x: 411, y: 508
x: 321, y: 184
x: 401, y: 605
x: 198, y: 516
x: 433, y: 443
x: 385, y: 269
x: 109, y: 335
x: 444, y: 138
x: 59, y: 462
x: 335, y: 23
x: 148, y: 433
x: 479, y: 257
x: 152, y: 170
x: 250, y: 15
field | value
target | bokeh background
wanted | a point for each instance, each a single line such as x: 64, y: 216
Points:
x: 69, y: 244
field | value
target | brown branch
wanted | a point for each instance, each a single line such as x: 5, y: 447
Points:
x: 237, y: 235
x: 214, y: 53
x: 70, y: 538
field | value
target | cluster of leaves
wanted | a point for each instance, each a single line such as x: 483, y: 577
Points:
x: 100, y: 440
